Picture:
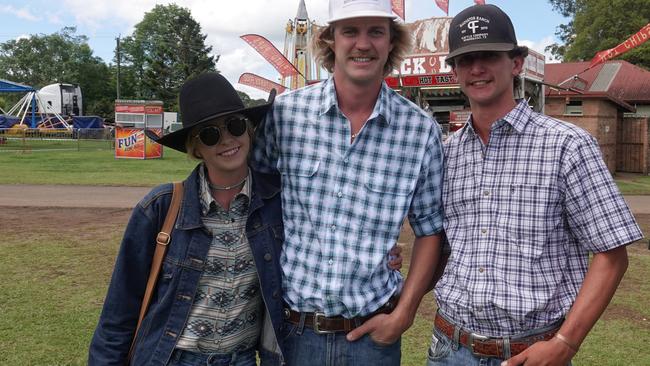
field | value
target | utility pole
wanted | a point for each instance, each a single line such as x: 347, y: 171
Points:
x: 118, y: 56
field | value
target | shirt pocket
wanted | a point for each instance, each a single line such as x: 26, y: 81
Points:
x: 527, y: 217
x: 385, y: 202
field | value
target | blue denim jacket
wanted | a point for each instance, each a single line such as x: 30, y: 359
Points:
x: 181, y: 270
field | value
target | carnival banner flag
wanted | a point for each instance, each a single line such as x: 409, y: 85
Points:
x: 398, y: 8
x: 260, y: 83
x: 271, y: 54
x: 636, y: 40
x: 443, y: 5
x: 479, y: 2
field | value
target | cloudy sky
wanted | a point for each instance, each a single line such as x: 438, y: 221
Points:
x: 224, y: 21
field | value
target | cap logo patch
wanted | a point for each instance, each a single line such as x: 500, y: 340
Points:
x: 474, y: 28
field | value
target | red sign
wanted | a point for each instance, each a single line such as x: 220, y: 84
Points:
x: 421, y: 80
x: 271, y: 54
x: 138, y: 108
x: 443, y: 5
x: 392, y: 82
x: 121, y: 108
x: 425, y: 64
x: 429, y: 80
x: 260, y: 83
x: 133, y: 143
x: 153, y: 109
x: 636, y: 40
x: 398, y: 8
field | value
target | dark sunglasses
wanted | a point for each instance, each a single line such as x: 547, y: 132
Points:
x: 210, y: 135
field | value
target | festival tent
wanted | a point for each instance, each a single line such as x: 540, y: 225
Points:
x: 7, y: 86
x: 7, y: 121
x: 87, y: 122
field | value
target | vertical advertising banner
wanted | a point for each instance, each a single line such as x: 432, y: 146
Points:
x: 133, y: 143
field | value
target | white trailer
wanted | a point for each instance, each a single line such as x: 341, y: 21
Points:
x: 63, y: 99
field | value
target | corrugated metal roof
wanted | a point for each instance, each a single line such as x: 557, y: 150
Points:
x: 605, y: 77
x: 630, y: 84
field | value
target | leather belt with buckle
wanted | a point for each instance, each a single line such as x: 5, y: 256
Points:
x: 322, y: 324
x: 483, y: 346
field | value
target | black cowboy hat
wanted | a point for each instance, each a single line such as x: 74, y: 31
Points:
x: 204, y: 98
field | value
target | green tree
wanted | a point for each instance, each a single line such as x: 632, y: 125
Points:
x: 61, y: 57
x: 166, y: 48
x: 248, y: 101
x: 597, y: 25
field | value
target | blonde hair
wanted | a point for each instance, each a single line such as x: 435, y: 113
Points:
x: 323, y: 40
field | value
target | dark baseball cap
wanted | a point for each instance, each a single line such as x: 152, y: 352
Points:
x: 482, y: 28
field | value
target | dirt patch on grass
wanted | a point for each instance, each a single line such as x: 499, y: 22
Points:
x: 85, y: 222
x: 622, y: 312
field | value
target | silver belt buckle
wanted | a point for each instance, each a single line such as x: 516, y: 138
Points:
x: 472, y: 338
x: 317, y: 330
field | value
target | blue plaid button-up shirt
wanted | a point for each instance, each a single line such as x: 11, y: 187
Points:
x: 522, y: 213
x: 344, y: 203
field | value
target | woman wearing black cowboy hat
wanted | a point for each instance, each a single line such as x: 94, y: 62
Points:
x: 218, y: 297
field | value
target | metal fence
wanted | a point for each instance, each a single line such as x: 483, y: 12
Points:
x: 39, y: 139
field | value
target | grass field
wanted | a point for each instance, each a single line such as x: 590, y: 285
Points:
x: 92, y: 167
x: 66, y: 165
x: 56, y: 263
x: 54, y: 280
x: 633, y: 183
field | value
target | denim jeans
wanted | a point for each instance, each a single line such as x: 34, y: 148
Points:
x: 441, y: 353
x: 304, y: 347
x: 186, y: 358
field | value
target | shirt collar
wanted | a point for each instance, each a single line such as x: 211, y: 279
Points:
x: 208, y: 202
x: 517, y: 118
x: 382, y: 108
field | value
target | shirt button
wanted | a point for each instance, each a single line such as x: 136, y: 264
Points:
x: 483, y: 231
x: 340, y: 194
x: 267, y: 257
x: 481, y: 269
x: 333, y: 227
x: 331, y: 261
x: 486, y: 193
x: 479, y: 309
x: 346, y: 160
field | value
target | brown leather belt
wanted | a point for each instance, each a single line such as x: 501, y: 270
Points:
x: 325, y: 325
x: 483, y: 346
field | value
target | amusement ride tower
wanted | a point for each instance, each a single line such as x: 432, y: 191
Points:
x: 298, y: 33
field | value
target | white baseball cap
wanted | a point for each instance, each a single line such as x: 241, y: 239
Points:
x: 346, y: 9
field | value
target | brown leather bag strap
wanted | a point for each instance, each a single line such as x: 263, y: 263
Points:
x: 162, y: 240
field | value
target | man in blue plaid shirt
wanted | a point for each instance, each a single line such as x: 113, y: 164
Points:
x: 526, y: 198
x: 356, y: 158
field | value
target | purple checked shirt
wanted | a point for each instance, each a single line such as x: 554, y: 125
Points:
x: 521, y: 215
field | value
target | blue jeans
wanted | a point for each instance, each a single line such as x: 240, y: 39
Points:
x: 305, y: 347
x: 186, y: 358
x: 441, y: 353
